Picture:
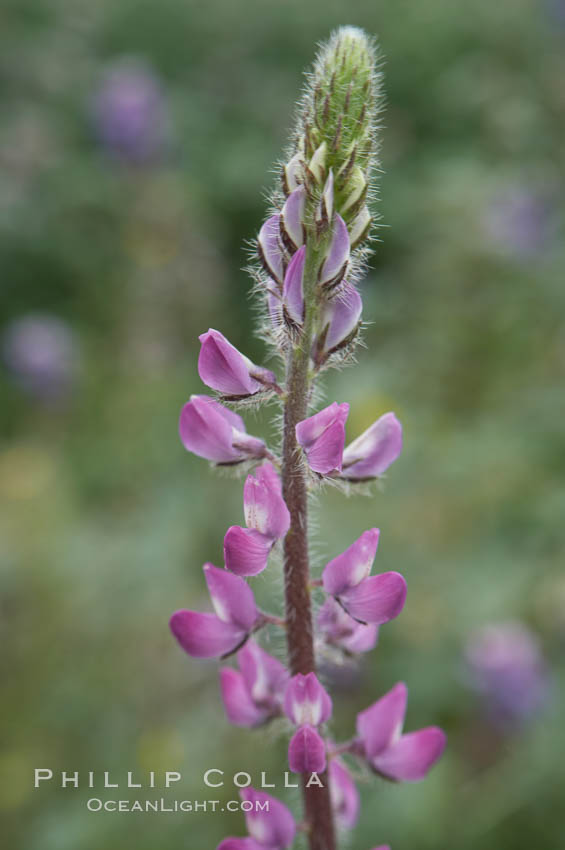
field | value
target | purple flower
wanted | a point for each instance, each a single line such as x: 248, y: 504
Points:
x: 270, y: 249
x: 339, y: 629
x: 254, y: 695
x: 130, y: 113
x: 344, y: 794
x: 211, y: 431
x: 307, y: 705
x: 508, y: 669
x: 368, y: 599
x: 219, y: 634
x: 402, y: 758
x: 223, y: 368
x: 374, y: 450
x: 41, y: 353
x: 271, y: 826
x: 246, y: 550
x: 288, y: 309
x: 335, y: 264
x: 269, y: 822
x: 306, y: 751
x: 322, y: 437
x: 292, y: 219
x: 340, y: 319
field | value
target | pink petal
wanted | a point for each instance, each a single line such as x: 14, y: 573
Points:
x: 410, y: 758
x: 205, y: 635
x: 325, y: 455
x: 306, y: 701
x: 353, y: 565
x: 292, y: 216
x: 265, y: 677
x: 239, y: 706
x: 205, y: 431
x: 269, y: 822
x: 270, y: 249
x: 342, y: 630
x: 364, y: 638
x: 223, y: 368
x: 213, y: 432
x: 322, y: 436
x: 373, y: 452
x: 334, y: 266
x: 381, y: 724
x: 341, y: 315
x: 264, y: 507
x: 231, y: 597
x: 344, y: 794
x: 376, y: 599
x: 306, y: 751
x: 246, y: 551
x: 293, y: 288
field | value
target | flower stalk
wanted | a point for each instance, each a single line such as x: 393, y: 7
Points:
x: 312, y: 252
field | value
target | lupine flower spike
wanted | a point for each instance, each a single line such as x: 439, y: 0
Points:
x: 311, y: 256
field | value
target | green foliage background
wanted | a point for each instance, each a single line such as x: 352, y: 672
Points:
x: 105, y: 520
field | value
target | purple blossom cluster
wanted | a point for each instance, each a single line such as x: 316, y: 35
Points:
x: 311, y: 255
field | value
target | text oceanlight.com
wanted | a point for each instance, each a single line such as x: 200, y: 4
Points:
x: 170, y: 806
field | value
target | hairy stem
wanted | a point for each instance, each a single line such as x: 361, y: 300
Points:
x: 298, y: 606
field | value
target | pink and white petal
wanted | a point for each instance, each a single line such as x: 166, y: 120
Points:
x: 325, y: 455
x: 306, y: 701
x: 206, y: 432
x: 205, y: 635
x: 376, y: 599
x: 269, y: 822
x: 239, y: 706
x: 311, y: 429
x: 293, y: 173
x: 246, y: 552
x: 263, y: 505
x: 231, y: 597
x: 363, y: 638
x: 342, y: 315
x: 344, y: 794
x: 223, y: 368
x: 306, y: 751
x: 381, y: 724
x: 247, y: 445
x: 352, y: 566
x: 335, y: 263
x: 374, y: 450
x: 293, y: 287
x: 270, y: 248
x: 411, y: 757
x: 265, y: 677
x: 292, y: 216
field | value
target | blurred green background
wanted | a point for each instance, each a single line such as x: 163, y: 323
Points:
x: 136, y: 141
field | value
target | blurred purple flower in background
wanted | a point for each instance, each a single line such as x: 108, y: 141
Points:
x: 130, y: 114
x: 518, y: 221
x: 41, y: 354
x: 507, y: 668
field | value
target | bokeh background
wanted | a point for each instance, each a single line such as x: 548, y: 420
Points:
x: 136, y: 142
